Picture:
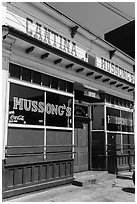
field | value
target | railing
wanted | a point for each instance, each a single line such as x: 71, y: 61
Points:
x: 114, y: 158
x: 45, y: 152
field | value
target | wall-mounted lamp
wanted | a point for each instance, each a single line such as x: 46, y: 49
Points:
x: 111, y: 53
x: 5, y: 32
x: 74, y: 31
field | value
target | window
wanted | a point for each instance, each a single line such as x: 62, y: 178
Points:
x: 26, y: 74
x: 113, y: 119
x: 54, y: 83
x: 45, y: 80
x: 58, y: 110
x: 69, y: 87
x: 26, y: 105
x: 98, y: 117
x: 15, y: 71
x: 36, y: 77
x: 127, y: 121
x: 62, y: 85
x: 125, y: 143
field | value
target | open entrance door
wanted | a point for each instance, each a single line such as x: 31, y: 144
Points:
x: 81, y: 145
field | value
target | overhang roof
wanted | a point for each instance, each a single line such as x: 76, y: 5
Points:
x: 68, y: 61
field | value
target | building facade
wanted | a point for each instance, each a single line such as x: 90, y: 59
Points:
x: 68, y: 100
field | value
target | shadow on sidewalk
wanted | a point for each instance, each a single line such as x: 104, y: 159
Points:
x: 129, y: 190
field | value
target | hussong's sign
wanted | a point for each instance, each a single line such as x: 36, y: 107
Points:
x: 119, y: 120
x: 35, y: 106
x: 114, y: 69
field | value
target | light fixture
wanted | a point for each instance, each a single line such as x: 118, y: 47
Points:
x: 111, y: 53
x: 74, y: 31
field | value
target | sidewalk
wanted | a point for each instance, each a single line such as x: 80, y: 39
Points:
x: 115, y: 190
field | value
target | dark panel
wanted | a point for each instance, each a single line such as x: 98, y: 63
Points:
x: 98, y: 150
x: 63, y: 169
x: 19, y: 176
x: 57, y: 171
x: 15, y: 71
x: 46, y: 80
x: 61, y: 142
x: 51, y: 171
x: 25, y: 137
x: 62, y: 84
x: 54, y: 83
x: 44, y: 172
x: 36, y: 173
x: 10, y: 178
x: 36, y: 77
x: 28, y: 178
x: 26, y: 74
x: 98, y: 117
x: 69, y: 87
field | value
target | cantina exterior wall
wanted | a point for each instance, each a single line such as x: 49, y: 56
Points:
x: 54, y: 86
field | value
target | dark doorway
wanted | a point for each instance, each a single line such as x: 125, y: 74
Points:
x: 81, y: 145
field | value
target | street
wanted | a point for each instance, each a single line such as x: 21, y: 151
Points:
x: 116, y: 190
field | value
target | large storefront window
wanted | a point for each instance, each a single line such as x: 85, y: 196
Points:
x: 112, y: 137
x: 119, y: 120
x: 27, y: 106
x: 112, y: 114
x: 33, y: 115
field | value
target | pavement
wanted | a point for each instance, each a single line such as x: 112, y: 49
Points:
x: 119, y: 189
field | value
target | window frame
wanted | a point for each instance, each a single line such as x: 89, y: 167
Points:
x: 45, y: 89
